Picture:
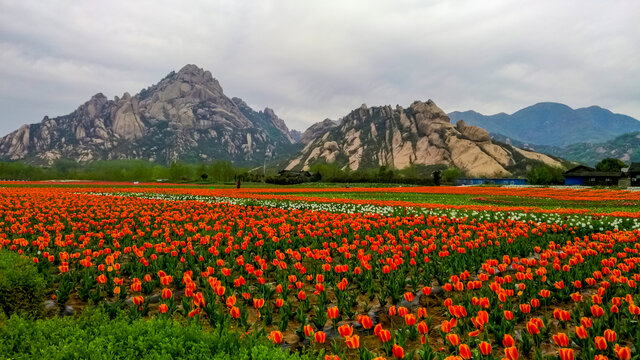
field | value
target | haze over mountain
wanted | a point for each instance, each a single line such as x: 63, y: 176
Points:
x: 186, y: 116
x: 553, y: 124
x: 421, y: 134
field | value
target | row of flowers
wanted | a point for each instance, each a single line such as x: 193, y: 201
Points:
x: 356, y: 284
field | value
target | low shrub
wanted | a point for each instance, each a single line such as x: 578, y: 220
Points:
x: 94, y: 336
x: 22, y: 287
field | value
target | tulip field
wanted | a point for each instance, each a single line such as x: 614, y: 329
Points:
x: 348, y: 273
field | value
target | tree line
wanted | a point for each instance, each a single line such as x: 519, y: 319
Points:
x: 124, y: 170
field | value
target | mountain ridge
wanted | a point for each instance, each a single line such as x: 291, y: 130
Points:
x: 549, y: 123
x: 185, y: 116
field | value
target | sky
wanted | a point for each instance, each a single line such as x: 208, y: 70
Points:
x: 311, y: 60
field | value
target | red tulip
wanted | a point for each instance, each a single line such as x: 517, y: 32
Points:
x: 275, y: 336
x: 235, y: 312
x: 384, y: 336
x: 610, y: 336
x: 597, y: 311
x: 508, y: 315
x: 485, y: 348
x: 410, y: 319
x: 561, y: 339
x: 333, y: 313
x: 508, y: 341
x: 163, y: 308
x: 566, y: 354
x: 581, y: 332
x: 586, y: 322
x: 320, y: 337
x: 408, y: 296
x: 365, y: 321
x: 423, y: 328
x: 532, y: 328
x: 623, y: 353
x: 601, y: 343
x: 345, y: 330
x: 465, y: 351
x: 453, y: 339
x: 258, y: 303
x: 398, y: 351
x: 166, y: 294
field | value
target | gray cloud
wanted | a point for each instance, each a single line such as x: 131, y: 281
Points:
x: 309, y: 60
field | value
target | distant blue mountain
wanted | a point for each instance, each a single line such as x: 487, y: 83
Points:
x: 553, y: 124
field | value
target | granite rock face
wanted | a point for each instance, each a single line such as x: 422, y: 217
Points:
x: 421, y: 134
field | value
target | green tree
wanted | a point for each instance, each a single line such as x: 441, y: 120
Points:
x: 610, y: 165
x: 65, y: 168
x: 180, y: 172
x: 545, y: 175
x: 450, y: 175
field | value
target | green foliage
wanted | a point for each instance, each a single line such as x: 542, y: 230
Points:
x: 610, y: 165
x: 292, y: 177
x: 410, y: 175
x: 22, y: 287
x: 21, y: 171
x: 450, y: 175
x: 95, y: 336
x: 545, y: 175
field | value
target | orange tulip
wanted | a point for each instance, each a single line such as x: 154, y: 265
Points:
x: 308, y: 330
x: 353, y: 342
x: 623, y: 353
x: 511, y: 353
x: 453, y: 339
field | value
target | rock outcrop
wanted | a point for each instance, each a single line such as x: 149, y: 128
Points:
x: 418, y: 135
x: 186, y: 116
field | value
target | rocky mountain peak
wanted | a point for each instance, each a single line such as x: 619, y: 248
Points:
x: 396, y: 137
x: 186, y: 116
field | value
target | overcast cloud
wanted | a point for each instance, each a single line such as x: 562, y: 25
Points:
x: 309, y: 60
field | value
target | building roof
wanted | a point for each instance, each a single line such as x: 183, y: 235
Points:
x: 592, y: 174
x: 634, y: 167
